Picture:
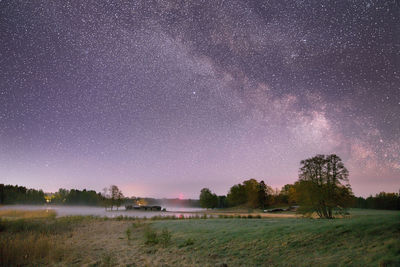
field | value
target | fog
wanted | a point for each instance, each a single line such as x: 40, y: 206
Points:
x: 101, y: 212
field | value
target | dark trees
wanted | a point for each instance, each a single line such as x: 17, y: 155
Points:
x: 116, y: 196
x: 112, y: 196
x: 78, y: 197
x: 264, y: 195
x: 237, y: 195
x: 323, y: 186
x: 60, y: 197
x: 10, y: 194
x: 222, y: 202
x: 383, y: 200
x: 208, y: 199
x: 286, y: 195
x: 251, y: 194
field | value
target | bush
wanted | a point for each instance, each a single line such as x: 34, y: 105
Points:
x: 137, y: 224
x: 165, y: 237
x: 120, y: 218
x: 109, y: 260
x: 128, y: 234
x: 151, y: 236
x: 188, y: 242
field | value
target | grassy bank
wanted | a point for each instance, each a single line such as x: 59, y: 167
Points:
x: 367, y: 238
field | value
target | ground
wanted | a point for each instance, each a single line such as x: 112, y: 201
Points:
x: 366, y: 238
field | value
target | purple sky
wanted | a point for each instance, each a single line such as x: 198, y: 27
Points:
x: 166, y: 98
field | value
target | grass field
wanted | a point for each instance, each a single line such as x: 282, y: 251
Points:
x: 367, y: 238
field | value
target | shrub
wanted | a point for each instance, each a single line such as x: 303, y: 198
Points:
x: 128, y: 234
x: 136, y: 224
x: 188, y: 242
x: 151, y: 236
x: 108, y: 260
x: 120, y: 218
x: 165, y: 237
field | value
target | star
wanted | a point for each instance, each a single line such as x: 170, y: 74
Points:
x: 151, y: 95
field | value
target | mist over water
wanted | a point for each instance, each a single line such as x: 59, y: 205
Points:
x: 101, y: 212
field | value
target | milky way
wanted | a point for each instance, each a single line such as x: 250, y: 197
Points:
x: 166, y: 97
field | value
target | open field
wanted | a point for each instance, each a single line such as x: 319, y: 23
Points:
x: 367, y: 238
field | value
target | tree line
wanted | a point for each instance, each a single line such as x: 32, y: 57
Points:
x: 381, y: 201
x: 10, y: 194
x: 250, y: 193
x: 322, y: 188
x: 14, y: 194
x: 76, y: 197
x: 109, y: 198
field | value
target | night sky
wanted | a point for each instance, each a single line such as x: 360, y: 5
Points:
x: 163, y: 98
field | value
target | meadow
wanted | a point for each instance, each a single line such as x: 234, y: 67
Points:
x: 365, y: 238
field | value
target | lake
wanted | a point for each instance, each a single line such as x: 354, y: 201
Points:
x: 101, y: 212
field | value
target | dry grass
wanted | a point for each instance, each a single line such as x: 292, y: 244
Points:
x: 26, y: 214
x: 99, y: 242
x: 30, y: 248
x: 33, y: 238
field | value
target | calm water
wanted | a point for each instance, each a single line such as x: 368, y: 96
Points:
x: 98, y: 211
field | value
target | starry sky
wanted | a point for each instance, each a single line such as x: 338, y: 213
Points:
x: 163, y: 98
